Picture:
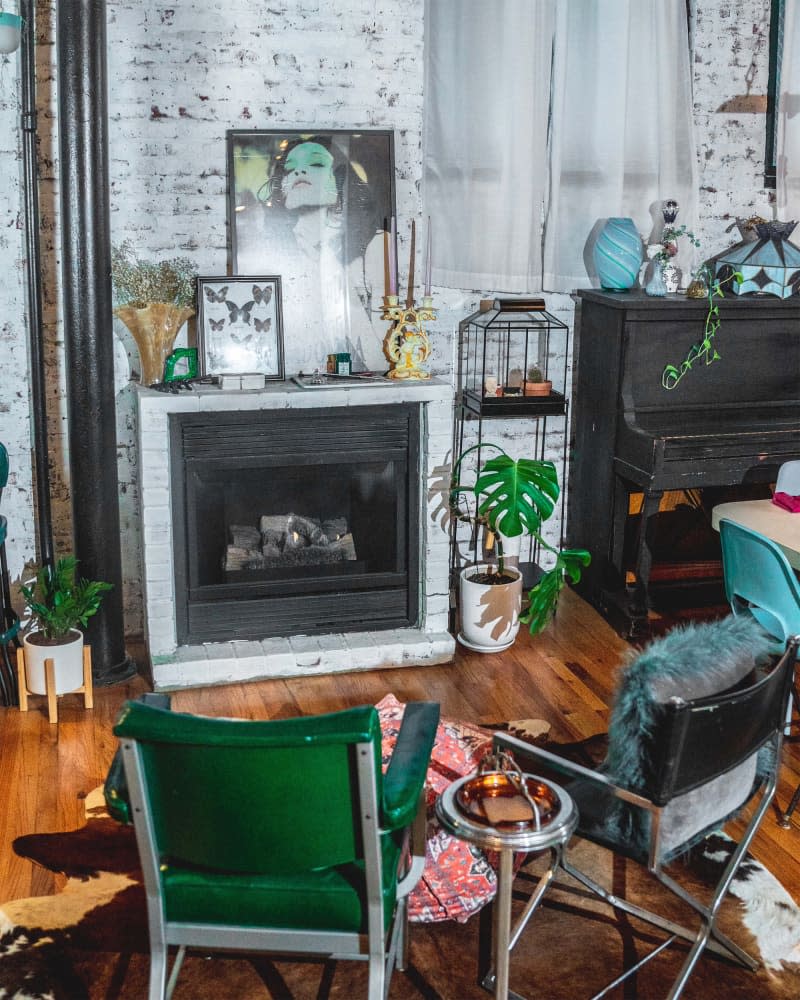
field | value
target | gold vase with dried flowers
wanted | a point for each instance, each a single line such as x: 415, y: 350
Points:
x: 154, y: 301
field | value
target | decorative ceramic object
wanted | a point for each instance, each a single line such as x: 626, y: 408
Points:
x: 154, y: 328
x: 543, y: 388
x: 10, y: 32
x: 618, y: 255
x: 656, y: 286
x: 67, y: 658
x: 489, y: 612
x: 535, y: 384
x: 406, y: 345
x: 672, y: 277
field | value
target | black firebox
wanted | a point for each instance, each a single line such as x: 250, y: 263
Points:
x: 291, y: 522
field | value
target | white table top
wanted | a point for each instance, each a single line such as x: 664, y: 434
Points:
x: 765, y: 517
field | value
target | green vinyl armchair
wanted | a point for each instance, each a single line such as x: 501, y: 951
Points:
x: 278, y: 836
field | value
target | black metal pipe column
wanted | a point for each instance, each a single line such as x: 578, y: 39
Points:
x: 88, y: 321
x: 44, y: 520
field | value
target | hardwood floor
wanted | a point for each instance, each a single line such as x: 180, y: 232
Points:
x: 565, y: 676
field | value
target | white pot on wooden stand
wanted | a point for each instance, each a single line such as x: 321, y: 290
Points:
x: 53, y: 669
x: 489, y: 611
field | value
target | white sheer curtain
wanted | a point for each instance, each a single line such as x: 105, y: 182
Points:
x: 787, y: 166
x: 620, y: 135
x: 622, y: 132
x: 487, y: 94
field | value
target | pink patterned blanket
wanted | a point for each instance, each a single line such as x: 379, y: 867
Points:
x: 458, y: 879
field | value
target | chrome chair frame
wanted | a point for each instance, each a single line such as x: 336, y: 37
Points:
x: 383, y: 949
x: 708, y: 935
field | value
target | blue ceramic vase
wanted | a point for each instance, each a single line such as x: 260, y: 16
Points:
x: 656, y: 285
x: 618, y: 255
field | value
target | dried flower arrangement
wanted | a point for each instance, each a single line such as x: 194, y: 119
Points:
x: 138, y: 283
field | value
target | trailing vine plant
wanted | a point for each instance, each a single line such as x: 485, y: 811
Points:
x: 706, y: 349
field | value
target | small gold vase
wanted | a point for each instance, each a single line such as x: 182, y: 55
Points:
x: 154, y: 328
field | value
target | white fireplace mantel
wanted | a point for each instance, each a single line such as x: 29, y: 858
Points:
x: 175, y: 666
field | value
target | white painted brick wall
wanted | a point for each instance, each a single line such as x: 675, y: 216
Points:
x: 179, y: 77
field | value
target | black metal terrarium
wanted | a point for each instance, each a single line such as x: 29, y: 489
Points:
x: 510, y: 363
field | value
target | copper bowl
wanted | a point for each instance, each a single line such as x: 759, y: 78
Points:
x: 492, y: 794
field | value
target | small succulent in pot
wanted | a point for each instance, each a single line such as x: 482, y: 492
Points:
x: 535, y: 382
x: 59, y: 600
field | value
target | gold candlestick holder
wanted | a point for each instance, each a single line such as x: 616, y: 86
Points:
x: 406, y: 344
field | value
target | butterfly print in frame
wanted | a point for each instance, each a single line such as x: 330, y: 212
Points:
x: 239, y: 325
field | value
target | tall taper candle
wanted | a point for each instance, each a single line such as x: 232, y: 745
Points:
x: 387, y: 281
x: 428, y: 261
x: 410, y: 296
x: 393, y: 257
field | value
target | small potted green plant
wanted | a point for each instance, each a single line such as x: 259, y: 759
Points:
x: 153, y: 301
x: 511, y: 498
x: 535, y: 382
x: 58, y: 601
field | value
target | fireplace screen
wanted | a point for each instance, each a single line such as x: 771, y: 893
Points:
x: 295, y: 522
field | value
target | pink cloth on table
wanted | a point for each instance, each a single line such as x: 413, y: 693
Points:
x: 787, y: 502
x: 458, y: 879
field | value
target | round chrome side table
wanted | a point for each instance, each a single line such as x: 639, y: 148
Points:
x: 550, y: 831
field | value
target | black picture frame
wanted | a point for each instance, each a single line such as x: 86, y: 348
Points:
x: 240, y: 325
x: 312, y: 205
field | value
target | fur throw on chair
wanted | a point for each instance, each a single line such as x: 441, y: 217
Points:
x: 690, y: 662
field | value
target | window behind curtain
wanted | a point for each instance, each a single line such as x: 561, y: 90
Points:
x: 487, y: 95
x: 542, y: 119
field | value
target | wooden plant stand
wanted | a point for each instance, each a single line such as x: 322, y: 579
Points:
x: 50, y: 684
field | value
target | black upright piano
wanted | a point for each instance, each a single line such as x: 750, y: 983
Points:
x: 721, y: 422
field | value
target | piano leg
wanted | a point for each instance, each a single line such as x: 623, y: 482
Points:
x: 644, y: 556
x: 622, y: 499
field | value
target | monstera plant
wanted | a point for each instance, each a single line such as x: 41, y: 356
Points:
x: 509, y: 498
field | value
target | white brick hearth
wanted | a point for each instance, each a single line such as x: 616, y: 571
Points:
x: 177, y: 666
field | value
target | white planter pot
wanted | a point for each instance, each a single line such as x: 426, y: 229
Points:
x: 489, y: 612
x: 67, y: 659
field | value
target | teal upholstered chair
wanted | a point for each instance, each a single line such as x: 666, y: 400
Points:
x: 9, y: 620
x: 760, y: 584
x: 694, y: 737
x: 278, y: 836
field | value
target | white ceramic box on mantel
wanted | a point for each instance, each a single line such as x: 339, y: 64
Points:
x: 426, y: 640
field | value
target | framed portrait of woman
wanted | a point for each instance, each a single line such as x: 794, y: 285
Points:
x: 311, y: 206
x: 239, y: 328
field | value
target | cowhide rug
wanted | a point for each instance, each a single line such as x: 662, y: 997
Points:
x: 89, y: 942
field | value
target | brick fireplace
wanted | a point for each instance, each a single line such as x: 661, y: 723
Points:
x: 306, y: 650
